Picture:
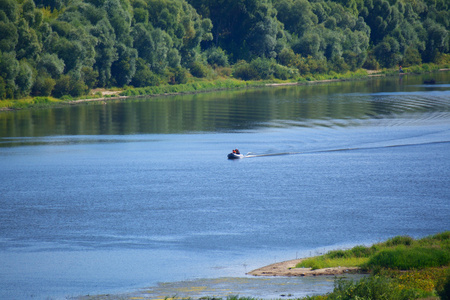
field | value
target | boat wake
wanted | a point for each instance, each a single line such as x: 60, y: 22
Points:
x: 251, y: 154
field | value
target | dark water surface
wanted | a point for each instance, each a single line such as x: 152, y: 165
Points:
x: 118, y: 197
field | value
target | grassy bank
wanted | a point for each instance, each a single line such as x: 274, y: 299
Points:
x: 401, y: 268
x: 196, y: 85
x: 401, y: 253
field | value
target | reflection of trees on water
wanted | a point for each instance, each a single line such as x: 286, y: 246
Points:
x: 312, y: 105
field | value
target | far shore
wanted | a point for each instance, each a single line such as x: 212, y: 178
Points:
x: 114, y: 95
x: 288, y: 268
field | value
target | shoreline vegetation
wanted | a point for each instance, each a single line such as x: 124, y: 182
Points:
x: 67, y: 48
x: 400, y: 268
x: 206, y: 86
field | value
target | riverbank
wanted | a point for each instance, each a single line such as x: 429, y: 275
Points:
x: 402, y: 265
x: 105, y: 95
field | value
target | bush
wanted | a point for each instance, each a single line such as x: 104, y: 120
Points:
x: 216, y: 57
x: 43, y: 86
x: 224, y: 71
x: 409, y: 258
x: 41, y: 100
x: 287, y: 57
x: 338, y: 254
x: 361, y: 251
x: 67, y: 85
x: 283, y: 72
x: 263, y: 67
x: 373, y: 287
x: 399, y: 240
x: 198, y: 70
x: 443, y: 288
x: 244, y: 71
x: 178, y: 75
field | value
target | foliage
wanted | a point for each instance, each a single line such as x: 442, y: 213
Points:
x: 373, y: 287
x: 404, y: 258
x: 400, y: 252
x: 105, y: 43
x: 198, y: 69
x: 186, y: 87
x: 443, y: 286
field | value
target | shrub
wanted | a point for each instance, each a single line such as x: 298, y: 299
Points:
x: 399, y: 240
x: 287, y: 57
x: 338, y: 254
x: 224, y: 71
x: 371, y: 63
x: 244, y: 71
x: 198, y: 69
x: 361, y: 251
x: 43, y: 86
x: 443, y: 288
x: 283, y: 72
x: 373, y: 287
x: 263, y: 67
x: 409, y: 258
x: 41, y: 100
x: 178, y: 75
x: 216, y: 57
x: 67, y: 85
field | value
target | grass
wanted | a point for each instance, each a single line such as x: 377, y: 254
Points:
x: 219, y: 83
x: 197, y: 86
x: 29, y: 102
x: 388, y: 281
x: 400, y: 268
x: 401, y: 252
x: 416, y: 269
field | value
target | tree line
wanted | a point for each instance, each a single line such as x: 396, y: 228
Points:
x: 68, y: 47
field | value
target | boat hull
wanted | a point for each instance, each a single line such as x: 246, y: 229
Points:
x: 235, y: 156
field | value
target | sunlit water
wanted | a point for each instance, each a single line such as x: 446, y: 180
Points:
x: 117, y: 198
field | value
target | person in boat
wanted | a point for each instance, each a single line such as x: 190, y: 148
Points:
x: 237, y: 151
x: 234, y: 151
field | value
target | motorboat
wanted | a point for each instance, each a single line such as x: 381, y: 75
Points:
x: 233, y: 155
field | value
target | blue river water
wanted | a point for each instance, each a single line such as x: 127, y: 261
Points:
x: 129, y: 195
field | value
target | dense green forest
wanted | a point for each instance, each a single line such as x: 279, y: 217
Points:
x: 68, y: 47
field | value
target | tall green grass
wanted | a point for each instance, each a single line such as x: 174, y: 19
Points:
x: 197, y: 86
x: 400, y: 252
x: 409, y: 258
x: 28, y: 102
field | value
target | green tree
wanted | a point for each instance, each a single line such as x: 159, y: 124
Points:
x: 9, y: 69
x: 124, y: 68
x: 28, y: 45
x: 24, y: 80
x: 437, y: 41
x: 8, y: 34
x: 243, y: 28
x: 216, y: 57
x: 43, y: 85
x: 296, y: 15
x: 388, y: 52
x: 144, y: 75
x: 105, y: 51
x: 52, y: 64
x: 11, y: 9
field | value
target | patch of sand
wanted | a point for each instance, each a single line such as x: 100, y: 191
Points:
x: 287, y: 268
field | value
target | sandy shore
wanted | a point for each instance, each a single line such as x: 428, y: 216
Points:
x: 287, y: 268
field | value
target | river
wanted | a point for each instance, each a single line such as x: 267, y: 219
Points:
x: 137, y: 197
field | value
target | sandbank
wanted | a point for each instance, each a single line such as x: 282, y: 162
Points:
x: 287, y: 268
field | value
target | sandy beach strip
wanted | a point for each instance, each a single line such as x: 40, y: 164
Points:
x: 287, y: 268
